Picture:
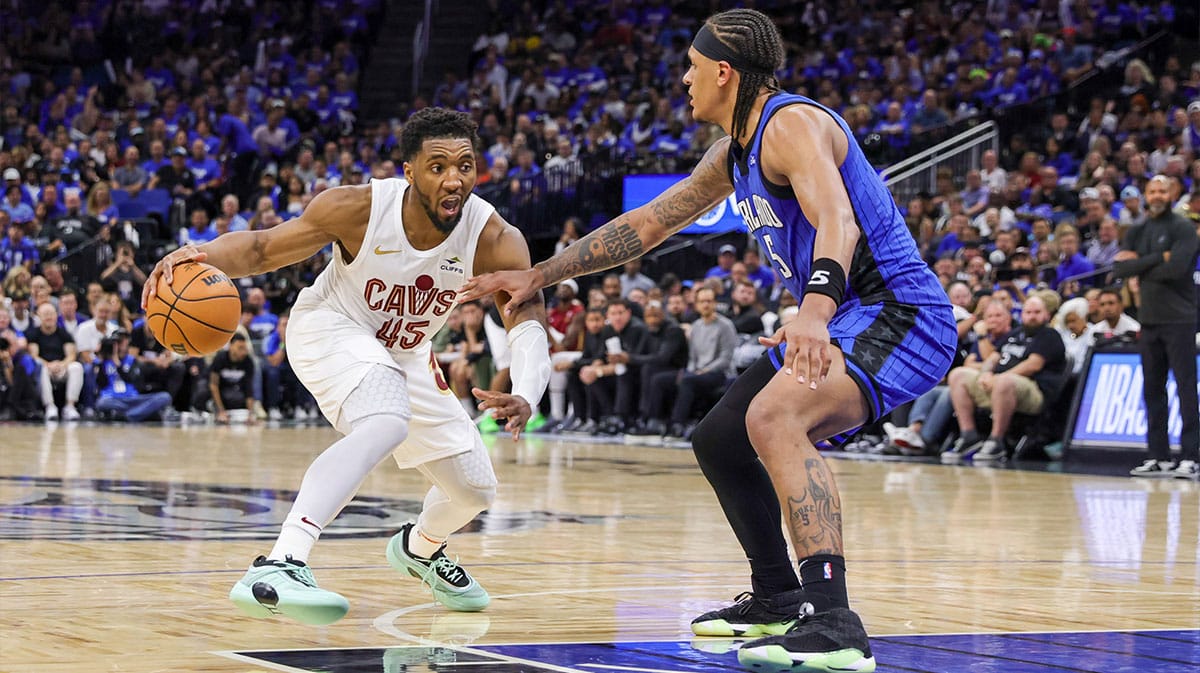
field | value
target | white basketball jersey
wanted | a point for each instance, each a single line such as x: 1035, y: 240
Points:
x: 401, y: 294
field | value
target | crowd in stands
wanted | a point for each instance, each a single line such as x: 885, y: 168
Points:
x: 227, y: 115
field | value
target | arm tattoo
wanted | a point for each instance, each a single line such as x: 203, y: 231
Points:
x: 815, y: 515
x: 612, y: 244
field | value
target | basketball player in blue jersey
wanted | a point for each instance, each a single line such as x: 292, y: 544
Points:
x: 875, y: 330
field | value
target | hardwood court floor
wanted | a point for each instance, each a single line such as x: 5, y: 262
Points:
x: 118, y: 545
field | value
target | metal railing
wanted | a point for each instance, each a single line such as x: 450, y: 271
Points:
x: 961, y: 153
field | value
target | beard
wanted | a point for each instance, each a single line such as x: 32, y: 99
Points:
x: 1156, y: 209
x: 444, y: 226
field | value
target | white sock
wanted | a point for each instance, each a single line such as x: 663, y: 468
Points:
x: 422, y: 544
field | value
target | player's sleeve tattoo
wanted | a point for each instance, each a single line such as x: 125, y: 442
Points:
x: 614, y: 243
x: 815, y: 514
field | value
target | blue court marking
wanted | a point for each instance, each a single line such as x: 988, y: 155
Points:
x: 1170, y: 651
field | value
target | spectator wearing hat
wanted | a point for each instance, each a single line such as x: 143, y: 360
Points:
x: 726, y: 256
x: 1191, y: 133
x: 1037, y: 78
x: 1131, y: 213
x: 175, y: 178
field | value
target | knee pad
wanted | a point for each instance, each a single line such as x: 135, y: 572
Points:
x: 478, y: 478
x: 382, y: 392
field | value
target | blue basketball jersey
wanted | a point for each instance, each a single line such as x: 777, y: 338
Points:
x: 886, y: 265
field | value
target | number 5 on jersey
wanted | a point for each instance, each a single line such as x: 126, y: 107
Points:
x: 783, y: 268
x: 407, y: 334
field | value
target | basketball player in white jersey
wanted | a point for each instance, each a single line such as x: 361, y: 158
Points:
x: 359, y: 341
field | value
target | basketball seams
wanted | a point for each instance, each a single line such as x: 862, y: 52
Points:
x: 178, y: 328
x: 178, y: 297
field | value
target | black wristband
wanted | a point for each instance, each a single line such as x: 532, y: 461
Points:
x: 828, y: 279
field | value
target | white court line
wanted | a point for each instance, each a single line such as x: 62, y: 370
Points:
x: 264, y: 664
x: 609, y: 667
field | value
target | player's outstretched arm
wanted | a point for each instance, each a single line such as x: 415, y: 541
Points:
x: 626, y: 237
x: 332, y: 215
x: 503, y: 248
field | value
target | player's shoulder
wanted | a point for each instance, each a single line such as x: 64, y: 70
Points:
x: 790, y: 121
x: 340, y: 205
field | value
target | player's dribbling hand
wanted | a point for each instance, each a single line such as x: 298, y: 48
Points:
x: 503, y: 405
x: 807, y: 355
x: 521, y: 285
x: 187, y: 253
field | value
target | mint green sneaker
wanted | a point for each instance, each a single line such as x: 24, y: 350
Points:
x: 536, y: 423
x: 451, y: 584
x: 288, y: 588
x: 487, y: 425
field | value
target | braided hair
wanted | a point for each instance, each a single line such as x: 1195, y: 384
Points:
x: 753, y: 35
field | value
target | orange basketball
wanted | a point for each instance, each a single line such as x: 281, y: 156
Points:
x: 197, y: 313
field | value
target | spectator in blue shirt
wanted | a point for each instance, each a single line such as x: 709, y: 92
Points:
x: 18, y: 211
x: 343, y: 97
x: 1008, y: 91
x: 893, y: 127
x: 1073, y: 59
x: 1036, y: 77
x: 118, y: 378
x: 200, y: 231
x: 1071, y: 261
x: 205, y: 168
x: 158, y: 157
x: 15, y: 248
x: 726, y: 256
x: 929, y: 114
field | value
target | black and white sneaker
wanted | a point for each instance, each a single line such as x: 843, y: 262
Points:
x: 1154, y: 468
x: 829, y: 641
x: 1187, y: 469
x: 752, y: 615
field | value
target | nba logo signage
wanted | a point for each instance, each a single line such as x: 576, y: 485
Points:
x: 1111, y: 411
x: 642, y: 189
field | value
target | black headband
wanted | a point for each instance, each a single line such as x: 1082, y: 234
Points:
x: 707, y: 44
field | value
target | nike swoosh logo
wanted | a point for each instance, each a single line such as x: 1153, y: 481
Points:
x: 381, y: 251
x: 309, y: 522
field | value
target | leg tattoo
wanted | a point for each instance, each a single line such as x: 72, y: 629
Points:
x: 815, y: 514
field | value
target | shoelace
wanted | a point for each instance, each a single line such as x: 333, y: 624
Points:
x: 301, y: 574
x: 744, y: 602
x: 444, y: 568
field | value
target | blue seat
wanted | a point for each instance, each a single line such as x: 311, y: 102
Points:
x: 132, y: 209
x: 157, y: 201
x: 119, y: 196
